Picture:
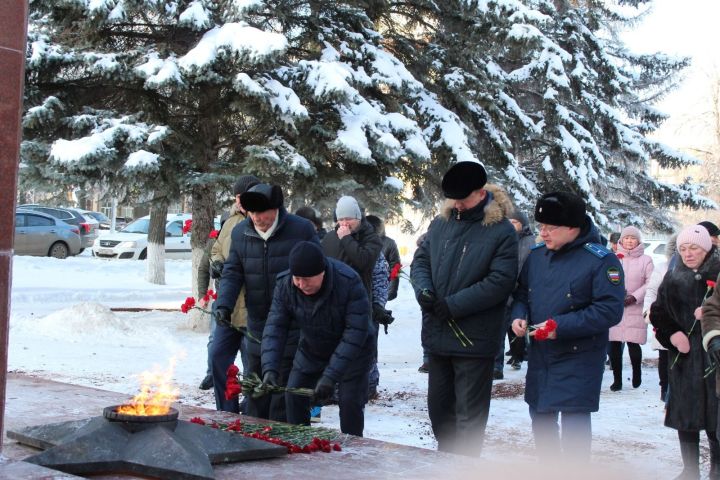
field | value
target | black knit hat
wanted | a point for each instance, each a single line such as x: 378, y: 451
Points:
x: 462, y: 179
x: 306, y: 260
x: 712, y: 229
x: 244, y: 184
x: 560, y: 208
x: 262, y: 197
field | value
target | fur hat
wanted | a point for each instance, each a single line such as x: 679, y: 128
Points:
x: 462, y: 179
x: 560, y: 208
x: 631, y: 231
x: 306, y: 260
x: 712, y: 229
x: 262, y: 197
x: 695, y: 235
x: 347, y: 207
x: 244, y: 184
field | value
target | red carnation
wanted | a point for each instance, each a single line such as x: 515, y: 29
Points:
x: 541, y: 334
x: 395, y: 272
x: 710, y: 283
x: 213, y: 233
x: 188, y: 305
x: 232, y: 390
x: 187, y: 226
x: 620, y: 256
x: 197, y: 420
x: 232, y: 371
x: 550, y: 325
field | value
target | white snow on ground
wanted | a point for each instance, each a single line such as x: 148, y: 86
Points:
x: 61, y: 328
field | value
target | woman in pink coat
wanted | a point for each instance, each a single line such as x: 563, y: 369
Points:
x: 632, y: 329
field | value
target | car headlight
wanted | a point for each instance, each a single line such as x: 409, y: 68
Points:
x: 127, y: 245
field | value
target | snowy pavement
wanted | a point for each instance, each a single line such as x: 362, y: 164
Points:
x: 61, y: 328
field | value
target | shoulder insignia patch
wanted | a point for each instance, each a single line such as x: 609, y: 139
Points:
x: 613, y: 274
x: 597, y: 250
x: 537, y: 245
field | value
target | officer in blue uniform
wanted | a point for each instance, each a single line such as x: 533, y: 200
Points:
x: 578, y: 283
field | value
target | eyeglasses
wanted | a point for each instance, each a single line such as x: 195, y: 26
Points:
x: 547, y: 228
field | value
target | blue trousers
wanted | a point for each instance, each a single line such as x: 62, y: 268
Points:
x: 576, y: 435
x: 223, y: 350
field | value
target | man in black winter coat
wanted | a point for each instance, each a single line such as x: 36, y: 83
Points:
x: 258, y: 252
x: 463, y: 274
x: 327, y: 301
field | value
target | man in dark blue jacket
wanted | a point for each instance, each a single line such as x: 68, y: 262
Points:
x: 258, y: 252
x: 578, y: 283
x: 463, y: 274
x: 326, y: 299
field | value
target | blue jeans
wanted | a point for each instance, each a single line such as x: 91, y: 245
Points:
x: 576, y: 436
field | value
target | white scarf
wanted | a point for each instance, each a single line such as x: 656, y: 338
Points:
x: 266, y: 235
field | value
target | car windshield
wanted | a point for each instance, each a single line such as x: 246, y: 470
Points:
x: 98, y: 216
x: 141, y: 225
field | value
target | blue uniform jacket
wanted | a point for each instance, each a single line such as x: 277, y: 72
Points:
x: 580, y: 286
x: 334, y: 324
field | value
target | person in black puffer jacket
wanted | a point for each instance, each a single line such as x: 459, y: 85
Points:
x: 259, y: 251
x: 691, y: 403
x: 463, y: 274
x: 326, y: 300
x: 390, y: 252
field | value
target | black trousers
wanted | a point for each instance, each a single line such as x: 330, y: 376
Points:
x: 459, y: 391
x: 268, y: 406
x: 352, y: 396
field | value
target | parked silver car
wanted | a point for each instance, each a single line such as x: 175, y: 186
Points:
x: 87, y: 225
x: 37, y: 233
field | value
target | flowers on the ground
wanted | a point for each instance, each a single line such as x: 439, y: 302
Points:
x: 187, y: 226
x: 398, y: 272
x: 296, y: 438
x: 237, y: 383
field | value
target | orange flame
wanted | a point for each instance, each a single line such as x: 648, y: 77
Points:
x: 157, y: 393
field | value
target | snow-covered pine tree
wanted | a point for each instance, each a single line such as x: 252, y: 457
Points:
x: 553, y: 98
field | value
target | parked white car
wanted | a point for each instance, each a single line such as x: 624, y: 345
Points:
x: 131, y: 242
x: 656, y: 250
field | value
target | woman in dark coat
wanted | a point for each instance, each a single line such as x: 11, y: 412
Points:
x: 692, y: 405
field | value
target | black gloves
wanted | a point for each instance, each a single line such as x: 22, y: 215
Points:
x: 713, y: 350
x: 223, y: 316
x: 426, y: 298
x: 270, y: 378
x: 442, y: 311
x: 216, y: 269
x: 630, y: 300
x: 382, y: 316
x: 323, y: 390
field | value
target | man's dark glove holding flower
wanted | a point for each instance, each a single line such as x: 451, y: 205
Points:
x: 270, y: 379
x: 381, y: 316
x: 216, y: 268
x: 426, y: 298
x: 324, y: 389
x: 442, y: 311
x: 222, y: 316
x: 713, y: 351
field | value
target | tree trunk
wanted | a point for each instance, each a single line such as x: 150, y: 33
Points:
x: 156, y: 244
x: 203, y: 211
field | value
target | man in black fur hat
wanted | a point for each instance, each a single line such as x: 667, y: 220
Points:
x: 463, y: 274
x: 259, y: 251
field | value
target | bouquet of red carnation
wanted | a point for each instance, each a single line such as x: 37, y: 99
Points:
x: 187, y: 226
x: 545, y: 331
x: 213, y: 233
x: 237, y: 383
x: 190, y: 302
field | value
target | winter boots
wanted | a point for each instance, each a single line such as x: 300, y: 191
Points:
x: 690, y: 451
x: 714, y: 459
